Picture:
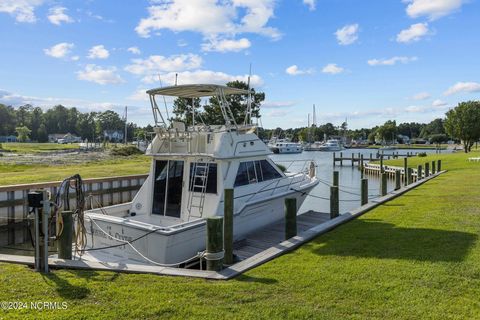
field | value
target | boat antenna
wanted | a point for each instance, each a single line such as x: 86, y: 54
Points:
x: 249, y: 99
x: 164, y: 100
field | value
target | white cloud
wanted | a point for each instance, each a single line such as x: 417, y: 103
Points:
x: 100, y: 75
x: 60, y: 50
x: 439, y: 103
x: 202, y: 76
x: 210, y: 17
x: 391, y: 61
x: 311, y: 4
x: 225, y: 45
x: 414, y: 33
x: 332, y: 68
x: 182, y: 43
x: 277, y: 113
x: 57, y: 15
x: 347, y: 35
x: 139, y: 95
x: 277, y: 104
x: 156, y: 64
x: 134, y: 50
x: 433, y: 9
x: 421, y: 96
x: 467, y: 87
x: 98, y: 52
x: 22, y: 10
x: 294, y: 71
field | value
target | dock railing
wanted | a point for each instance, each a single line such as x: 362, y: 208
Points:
x: 103, y: 191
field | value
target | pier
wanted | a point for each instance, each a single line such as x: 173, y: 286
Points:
x: 358, y: 158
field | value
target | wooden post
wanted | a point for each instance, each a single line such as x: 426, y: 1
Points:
x: 228, y: 205
x: 334, y: 163
x: 353, y: 159
x: 64, y: 244
x: 290, y: 218
x: 419, y: 172
x: 214, y: 252
x: 439, y: 165
x: 361, y: 166
x: 383, y: 184
x: 398, y: 179
x: 381, y: 163
x: 409, y: 175
x: 371, y: 157
x: 427, y: 169
x: 334, y: 202
x: 335, y: 178
x: 405, y: 170
x: 341, y: 158
x: 433, y: 167
x: 364, y: 192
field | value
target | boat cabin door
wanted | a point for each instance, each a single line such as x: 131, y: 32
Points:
x: 167, y: 189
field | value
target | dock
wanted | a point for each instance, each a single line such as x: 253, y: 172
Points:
x: 359, y: 158
x: 274, y: 234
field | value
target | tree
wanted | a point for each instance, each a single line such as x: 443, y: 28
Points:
x: 238, y: 105
x: 7, y: 120
x: 36, y: 121
x: 434, y: 127
x: 388, y: 131
x: 182, y: 109
x: 22, y: 133
x: 463, y: 122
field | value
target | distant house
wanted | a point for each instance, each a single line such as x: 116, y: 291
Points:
x: 113, y: 135
x: 8, y: 139
x: 62, y: 137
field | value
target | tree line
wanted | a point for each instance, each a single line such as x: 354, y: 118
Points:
x: 29, y: 122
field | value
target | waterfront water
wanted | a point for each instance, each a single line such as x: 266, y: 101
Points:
x: 349, y: 177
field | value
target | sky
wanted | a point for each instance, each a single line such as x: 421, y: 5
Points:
x: 364, y: 61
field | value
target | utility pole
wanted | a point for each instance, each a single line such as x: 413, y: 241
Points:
x: 126, y: 124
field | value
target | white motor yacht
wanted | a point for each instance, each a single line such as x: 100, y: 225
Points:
x: 285, y: 146
x: 331, y: 145
x: 190, y: 168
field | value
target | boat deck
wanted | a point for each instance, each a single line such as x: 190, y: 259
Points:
x: 274, y: 234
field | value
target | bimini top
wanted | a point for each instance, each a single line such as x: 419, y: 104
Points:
x: 195, y: 90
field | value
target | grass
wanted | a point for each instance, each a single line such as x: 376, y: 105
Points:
x: 18, y: 147
x: 416, y: 257
x: 412, y: 146
x: 18, y: 174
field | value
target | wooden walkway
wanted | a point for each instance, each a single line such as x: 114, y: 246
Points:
x: 274, y: 234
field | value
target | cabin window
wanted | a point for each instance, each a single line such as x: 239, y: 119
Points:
x: 167, y: 190
x: 255, y: 171
x: 211, y: 178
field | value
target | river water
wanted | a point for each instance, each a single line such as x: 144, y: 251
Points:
x: 349, y: 177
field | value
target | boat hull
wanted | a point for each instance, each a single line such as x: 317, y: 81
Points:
x: 174, y: 245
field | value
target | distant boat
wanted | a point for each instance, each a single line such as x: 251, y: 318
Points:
x: 284, y: 146
x: 331, y: 145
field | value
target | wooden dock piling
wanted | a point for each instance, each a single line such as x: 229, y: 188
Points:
x: 364, y: 191
x: 64, y: 241
x: 383, y: 184
x: 334, y: 202
x: 405, y: 170
x: 228, y: 205
x: 439, y: 165
x: 433, y: 167
x: 398, y: 179
x: 335, y: 178
x: 409, y: 176
x: 290, y: 218
x: 419, y: 172
x: 427, y: 169
x: 214, y: 252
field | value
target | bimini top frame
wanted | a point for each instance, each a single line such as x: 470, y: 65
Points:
x: 191, y: 91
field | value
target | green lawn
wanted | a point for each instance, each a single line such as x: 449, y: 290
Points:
x: 18, y: 147
x: 18, y: 174
x: 416, y: 257
x: 412, y: 146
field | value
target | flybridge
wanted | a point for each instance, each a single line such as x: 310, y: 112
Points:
x: 192, y: 91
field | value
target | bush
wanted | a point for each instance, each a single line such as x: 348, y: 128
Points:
x: 281, y: 167
x: 422, y: 154
x: 125, y: 151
